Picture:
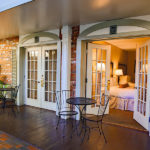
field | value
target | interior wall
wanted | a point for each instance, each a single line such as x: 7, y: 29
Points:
x: 131, y: 64
x: 127, y: 57
x: 123, y: 56
x: 118, y: 56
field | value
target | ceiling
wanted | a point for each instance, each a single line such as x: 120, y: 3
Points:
x: 42, y: 15
x: 125, y: 44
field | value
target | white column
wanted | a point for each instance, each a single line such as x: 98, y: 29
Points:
x: 20, y: 74
x: 66, y: 58
x: 78, y: 69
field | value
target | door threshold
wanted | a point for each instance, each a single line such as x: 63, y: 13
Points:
x: 125, y: 126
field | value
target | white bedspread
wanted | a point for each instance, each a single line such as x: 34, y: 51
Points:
x: 127, y: 93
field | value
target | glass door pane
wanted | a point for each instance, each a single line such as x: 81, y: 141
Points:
x: 98, y: 73
x: 50, y: 74
x: 142, y: 75
x: 32, y: 63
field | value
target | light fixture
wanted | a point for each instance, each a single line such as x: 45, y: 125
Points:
x: 100, y: 67
x: 118, y: 72
x: 145, y: 67
x: 8, y: 4
x: 99, y: 4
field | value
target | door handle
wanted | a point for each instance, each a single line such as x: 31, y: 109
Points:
x: 42, y: 82
x: 38, y: 82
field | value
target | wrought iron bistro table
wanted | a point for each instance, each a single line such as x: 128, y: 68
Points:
x: 81, y: 101
x: 2, y: 96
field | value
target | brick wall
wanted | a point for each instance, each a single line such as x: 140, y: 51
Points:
x: 75, y: 33
x: 7, y: 47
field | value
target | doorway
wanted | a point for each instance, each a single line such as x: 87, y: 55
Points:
x: 129, y: 98
x: 41, y: 76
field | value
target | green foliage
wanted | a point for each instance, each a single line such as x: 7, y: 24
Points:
x: 1, y: 82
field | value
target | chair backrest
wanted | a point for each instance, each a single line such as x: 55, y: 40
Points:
x: 65, y: 95
x: 61, y: 97
x: 1, y: 86
x: 15, y: 92
x: 6, y: 86
x: 58, y: 100
x: 103, y: 105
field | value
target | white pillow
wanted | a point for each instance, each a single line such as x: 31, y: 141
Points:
x: 131, y: 84
x: 124, y: 79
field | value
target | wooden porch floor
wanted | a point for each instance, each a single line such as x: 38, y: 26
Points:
x: 37, y: 127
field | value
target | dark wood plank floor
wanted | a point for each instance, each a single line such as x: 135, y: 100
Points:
x: 37, y: 127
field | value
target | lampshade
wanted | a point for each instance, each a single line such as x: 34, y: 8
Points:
x: 100, y: 67
x: 118, y: 72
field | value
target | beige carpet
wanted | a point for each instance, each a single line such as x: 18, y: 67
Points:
x: 122, y: 118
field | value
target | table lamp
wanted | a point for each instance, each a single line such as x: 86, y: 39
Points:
x: 119, y: 72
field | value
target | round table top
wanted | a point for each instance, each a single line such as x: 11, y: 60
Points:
x: 80, y: 101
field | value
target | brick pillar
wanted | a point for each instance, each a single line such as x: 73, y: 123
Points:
x: 74, y: 36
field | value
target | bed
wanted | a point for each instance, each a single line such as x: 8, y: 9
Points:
x: 122, y: 98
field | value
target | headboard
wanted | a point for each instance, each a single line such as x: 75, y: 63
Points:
x: 111, y: 69
x: 123, y: 67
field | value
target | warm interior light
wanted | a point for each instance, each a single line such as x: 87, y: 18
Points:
x: 118, y: 72
x: 100, y: 67
x: 145, y: 67
x: 8, y: 4
x: 97, y: 4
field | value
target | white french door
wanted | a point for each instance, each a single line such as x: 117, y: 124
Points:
x: 142, y: 98
x: 41, y: 76
x: 49, y: 70
x: 33, y: 76
x: 98, y: 74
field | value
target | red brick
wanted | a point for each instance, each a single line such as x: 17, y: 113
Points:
x: 6, y: 47
x: 75, y: 34
x: 73, y: 76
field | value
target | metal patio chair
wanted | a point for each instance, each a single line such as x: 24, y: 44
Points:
x: 11, y: 102
x: 65, y: 110
x: 97, y: 119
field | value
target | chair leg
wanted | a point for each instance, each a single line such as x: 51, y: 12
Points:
x: 82, y: 122
x: 99, y: 129
x: 103, y: 133
x: 89, y: 134
x: 76, y: 126
x: 18, y: 109
x: 73, y: 129
x: 84, y: 131
x: 13, y: 110
x: 58, y: 122
x: 64, y: 128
